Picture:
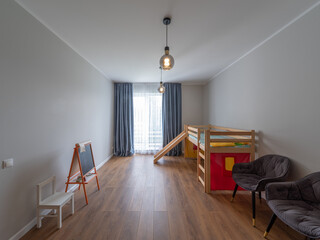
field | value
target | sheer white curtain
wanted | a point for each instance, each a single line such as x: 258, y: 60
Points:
x: 147, y: 114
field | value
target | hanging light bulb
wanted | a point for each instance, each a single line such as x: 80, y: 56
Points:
x: 166, y: 61
x: 161, y: 89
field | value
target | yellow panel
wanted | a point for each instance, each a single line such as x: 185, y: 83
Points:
x: 229, y: 162
x: 189, y: 151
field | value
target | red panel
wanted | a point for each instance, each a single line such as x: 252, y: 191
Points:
x: 221, y: 179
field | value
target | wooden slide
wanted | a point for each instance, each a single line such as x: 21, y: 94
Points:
x: 170, y: 145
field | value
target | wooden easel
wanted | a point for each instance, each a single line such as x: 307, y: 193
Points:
x: 83, y: 168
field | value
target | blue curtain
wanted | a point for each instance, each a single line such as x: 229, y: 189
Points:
x: 171, y: 115
x: 123, y: 119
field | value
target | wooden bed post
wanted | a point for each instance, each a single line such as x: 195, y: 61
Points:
x: 253, y: 146
x: 198, y: 156
x: 207, y: 161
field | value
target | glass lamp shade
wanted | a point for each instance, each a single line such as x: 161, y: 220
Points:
x: 161, y: 89
x: 166, y: 61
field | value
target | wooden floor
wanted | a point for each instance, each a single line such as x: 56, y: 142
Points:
x: 139, y: 200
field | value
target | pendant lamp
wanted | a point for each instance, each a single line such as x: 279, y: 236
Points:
x: 166, y: 61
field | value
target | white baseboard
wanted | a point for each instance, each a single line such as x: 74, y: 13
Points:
x: 104, y: 162
x: 27, y: 227
x: 33, y: 222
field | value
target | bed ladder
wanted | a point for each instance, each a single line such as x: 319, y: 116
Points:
x: 204, y: 169
x: 200, y: 167
x: 170, y: 145
x: 201, y: 171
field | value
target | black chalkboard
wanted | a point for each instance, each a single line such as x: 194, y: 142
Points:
x: 86, y: 159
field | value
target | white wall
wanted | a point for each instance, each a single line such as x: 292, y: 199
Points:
x: 275, y: 90
x: 50, y: 98
x: 191, y: 104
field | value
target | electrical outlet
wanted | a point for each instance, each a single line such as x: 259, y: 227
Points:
x: 8, y: 163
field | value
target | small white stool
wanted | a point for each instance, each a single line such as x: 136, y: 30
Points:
x: 55, y: 202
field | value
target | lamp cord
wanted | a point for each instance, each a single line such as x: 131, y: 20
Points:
x: 166, y: 35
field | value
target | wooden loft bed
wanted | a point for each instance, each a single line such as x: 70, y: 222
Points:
x: 203, y: 137
x: 214, y: 134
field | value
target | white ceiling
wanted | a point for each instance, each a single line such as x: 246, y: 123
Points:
x: 124, y: 39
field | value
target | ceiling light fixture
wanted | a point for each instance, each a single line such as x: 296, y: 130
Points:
x: 166, y: 61
x: 161, y: 89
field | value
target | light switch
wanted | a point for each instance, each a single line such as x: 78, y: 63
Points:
x: 7, y: 163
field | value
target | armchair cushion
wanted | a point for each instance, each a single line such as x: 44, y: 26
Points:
x: 301, y: 216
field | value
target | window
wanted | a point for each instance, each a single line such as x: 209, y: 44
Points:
x: 147, y: 112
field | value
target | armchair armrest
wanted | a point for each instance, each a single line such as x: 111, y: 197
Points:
x: 264, y: 181
x: 246, y: 168
x: 282, y: 191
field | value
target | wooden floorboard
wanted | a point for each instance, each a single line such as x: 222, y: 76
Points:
x: 140, y: 200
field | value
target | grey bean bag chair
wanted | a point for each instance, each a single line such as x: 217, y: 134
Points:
x: 297, y: 204
x: 254, y: 176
